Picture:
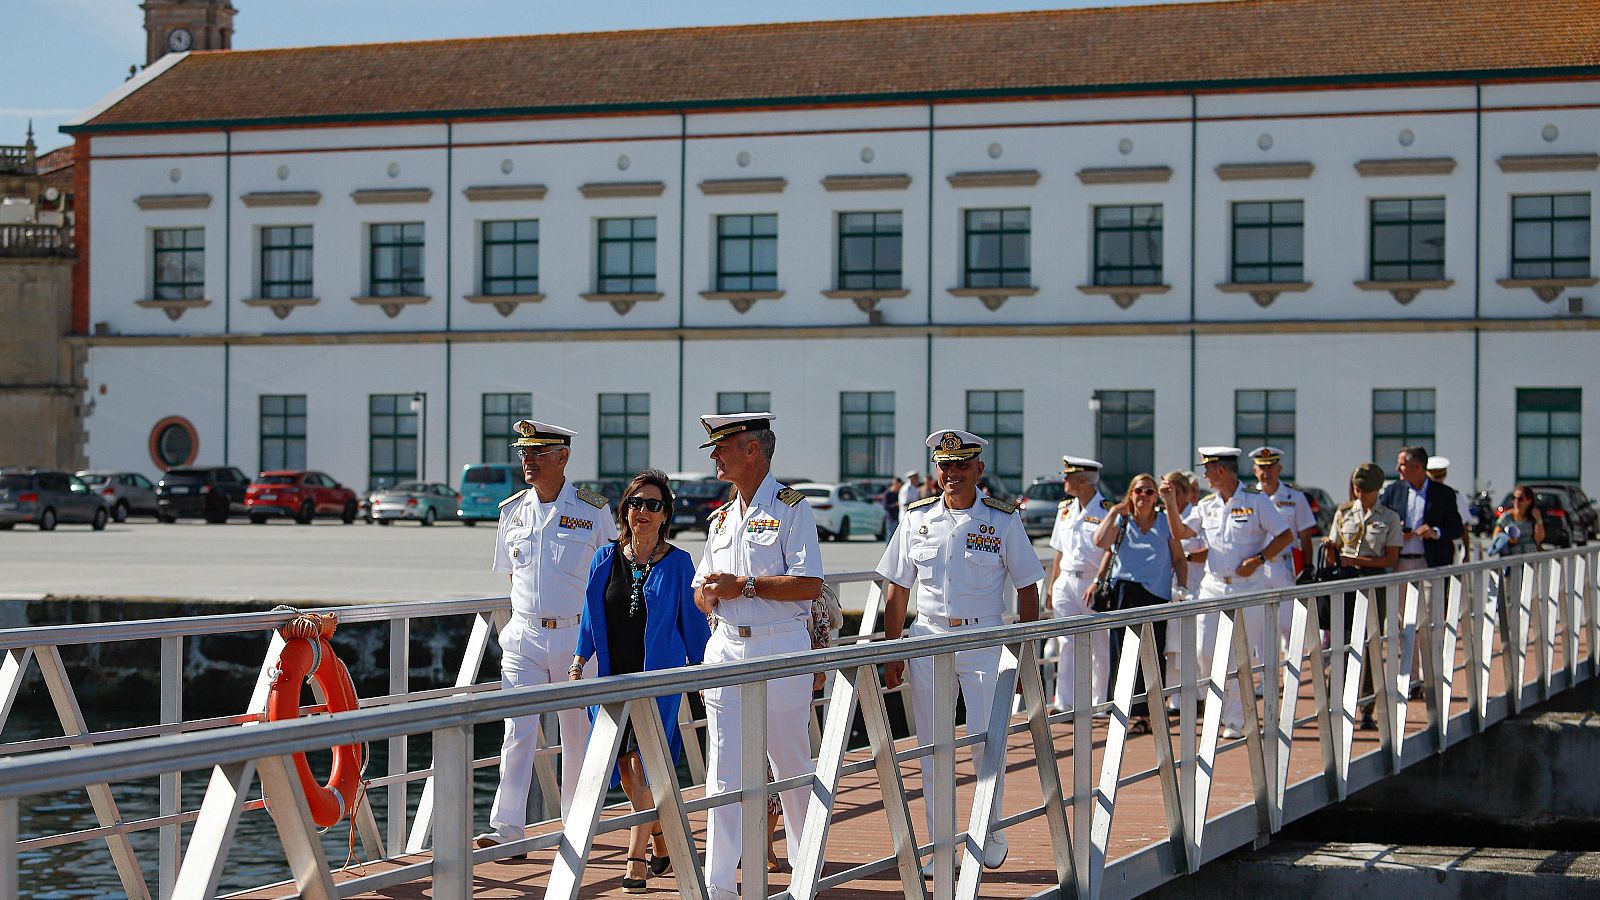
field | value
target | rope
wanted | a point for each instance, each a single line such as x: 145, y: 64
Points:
x: 308, y: 626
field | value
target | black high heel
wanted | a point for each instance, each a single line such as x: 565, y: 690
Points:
x: 658, y: 865
x: 637, y: 885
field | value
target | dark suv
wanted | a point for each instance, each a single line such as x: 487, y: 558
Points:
x: 44, y: 497
x: 208, y: 492
x: 1585, y: 524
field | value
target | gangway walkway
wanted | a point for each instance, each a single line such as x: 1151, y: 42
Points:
x: 1118, y: 819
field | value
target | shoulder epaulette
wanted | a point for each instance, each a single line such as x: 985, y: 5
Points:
x: 1210, y: 496
x: 925, y: 501
x: 1064, y: 504
x: 1001, y: 505
x: 1248, y: 490
x: 1349, y: 504
x: 724, y: 506
x: 513, y: 498
x: 593, y: 498
x: 790, y: 497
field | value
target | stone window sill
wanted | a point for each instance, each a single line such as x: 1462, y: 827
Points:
x: 280, y: 306
x: 173, y: 308
x: 504, y: 304
x: 742, y: 300
x: 391, y: 306
x: 1404, y: 291
x: 1546, y: 289
x: 1123, y: 294
x: 1264, y: 292
x: 865, y: 299
x: 623, y: 302
x: 994, y: 297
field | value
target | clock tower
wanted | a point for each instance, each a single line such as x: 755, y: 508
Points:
x: 176, y: 26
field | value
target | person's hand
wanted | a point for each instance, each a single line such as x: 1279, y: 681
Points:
x: 1122, y: 508
x: 817, y: 681
x: 1352, y: 561
x: 894, y: 674
x: 723, y: 586
x: 704, y: 602
x: 1169, y: 494
x: 1248, y: 567
x: 1426, y: 532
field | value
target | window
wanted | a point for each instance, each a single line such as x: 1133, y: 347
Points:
x: 1408, y: 239
x: 624, y: 434
x: 173, y: 442
x: 1262, y: 418
x: 997, y: 248
x: 743, y: 401
x: 1269, y: 242
x: 283, y: 431
x: 627, y: 256
x: 869, y: 251
x: 1127, y: 245
x: 511, y: 257
x: 1126, y: 426
x: 392, y: 440
x: 1550, y: 236
x: 396, y: 260
x: 500, y: 415
x: 285, y: 261
x: 180, y: 264
x: 747, y: 253
x: 866, y: 434
x: 1549, y: 442
x: 997, y: 415
x: 1401, y: 417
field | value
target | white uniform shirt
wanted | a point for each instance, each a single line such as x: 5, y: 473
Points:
x: 1237, y: 529
x: 1295, y: 508
x: 1073, y: 534
x: 546, y: 548
x: 909, y: 494
x: 765, y: 537
x: 1191, y: 518
x: 959, y: 559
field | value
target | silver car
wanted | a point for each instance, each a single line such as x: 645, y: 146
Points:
x: 44, y: 497
x: 124, y: 493
x: 423, y: 502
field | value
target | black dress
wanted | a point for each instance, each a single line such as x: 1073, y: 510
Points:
x: 624, y: 632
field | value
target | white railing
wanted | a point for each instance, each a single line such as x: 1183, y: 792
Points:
x: 1548, y: 612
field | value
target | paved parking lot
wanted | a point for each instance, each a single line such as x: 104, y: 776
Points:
x: 282, y: 562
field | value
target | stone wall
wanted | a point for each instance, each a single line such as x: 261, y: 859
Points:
x: 41, y: 372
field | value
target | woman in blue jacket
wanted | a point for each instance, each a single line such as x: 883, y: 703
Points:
x: 639, y: 615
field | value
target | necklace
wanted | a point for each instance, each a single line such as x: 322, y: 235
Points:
x: 640, y: 571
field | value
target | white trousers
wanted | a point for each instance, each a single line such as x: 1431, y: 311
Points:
x: 1205, y: 653
x: 788, y: 747
x: 1072, y: 600
x: 976, y: 673
x: 532, y: 655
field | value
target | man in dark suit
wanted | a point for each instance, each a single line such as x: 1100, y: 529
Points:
x: 1432, y: 525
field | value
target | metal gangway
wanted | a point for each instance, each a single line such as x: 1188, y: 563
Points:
x: 1493, y: 637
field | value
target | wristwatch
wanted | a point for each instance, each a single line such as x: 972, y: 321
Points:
x: 749, y: 592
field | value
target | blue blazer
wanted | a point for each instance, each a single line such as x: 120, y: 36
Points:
x: 675, y: 630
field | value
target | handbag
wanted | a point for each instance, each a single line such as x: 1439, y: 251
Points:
x: 1101, y: 597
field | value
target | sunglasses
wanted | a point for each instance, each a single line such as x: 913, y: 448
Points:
x: 530, y: 453
x: 1143, y: 492
x: 1521, y: 497
x: 649, y: 504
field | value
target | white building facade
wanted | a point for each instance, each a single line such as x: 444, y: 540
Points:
x: 1339, y: 268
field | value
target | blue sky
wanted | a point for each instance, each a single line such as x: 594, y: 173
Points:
x: 61, y: 56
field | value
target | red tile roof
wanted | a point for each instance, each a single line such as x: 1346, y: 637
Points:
x: 1146, y: 48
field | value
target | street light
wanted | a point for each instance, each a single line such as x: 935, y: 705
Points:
x: 419, y: 405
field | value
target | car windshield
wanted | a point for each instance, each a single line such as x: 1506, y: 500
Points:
x: 487, y: 475
x: 275, y: 479
x: 409, y: 487
x: 95, y: 477
x: 1046, y: 490
x: 813, y: 492
x: 15, y: 482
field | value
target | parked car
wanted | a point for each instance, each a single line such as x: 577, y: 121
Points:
x: 996, y: 487
x: 300, y: 495
x: 842, y: 512
x: 1585, y: 519
x: 483, y: 486
x: 423, y: 502
x: 124, y: 493
x: 871, y: 488
x: 694, y: 501
x: 1558, y: 518
x: 209, y: 492
x: 1039, y: 504
x: 46, y: 498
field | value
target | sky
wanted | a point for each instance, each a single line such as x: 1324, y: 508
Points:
x: 62, y: 56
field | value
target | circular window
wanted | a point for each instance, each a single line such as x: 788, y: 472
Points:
x: 173, y: 442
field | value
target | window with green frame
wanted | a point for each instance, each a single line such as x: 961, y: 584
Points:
x: 179, y: 264
x: 395, y: 264
x: 624, y: 434
x: 747, y: 253
x: 511, y: 257
x: 1127, y: 245
x: 1127, y: 438
x: 1269, y: 242
x: 1408, y: 239
x: 283, y: 431
x: 392, y: 440
x: 1550, y: 236
x: 866, y: 434
x: 500, y: 415
x: 627, y: 256
x: 1549, y: 434
x: 729, y: 402
x: 997, y: 416
x: 997, y: 249
x: 870, y: 245
x: 1265, y: 418
x: 1401, y: 417
x: 285, y: 261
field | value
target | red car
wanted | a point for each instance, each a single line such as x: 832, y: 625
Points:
x: 300, y: 495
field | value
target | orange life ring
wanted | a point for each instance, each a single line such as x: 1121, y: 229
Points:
x: 313, y: 657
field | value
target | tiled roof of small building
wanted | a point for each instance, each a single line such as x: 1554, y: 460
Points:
x: 1145, y: 48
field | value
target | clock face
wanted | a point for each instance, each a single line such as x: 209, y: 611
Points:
x: 180, y: 40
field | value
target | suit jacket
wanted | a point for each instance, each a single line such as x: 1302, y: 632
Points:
x: 1439, y: 510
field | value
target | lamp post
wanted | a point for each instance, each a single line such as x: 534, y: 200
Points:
x: 419, y: 405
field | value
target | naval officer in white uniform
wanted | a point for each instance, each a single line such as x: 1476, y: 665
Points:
x: 548, y: 535
x: 958, y: 548
x: 761, y: 570
x: 1072, y: 572
x: 1295, y: 508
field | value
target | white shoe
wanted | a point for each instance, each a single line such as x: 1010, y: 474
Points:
x: 994, y: 853
x: 1230, y: 733
x: 500, y: 835
x: 927, y: 867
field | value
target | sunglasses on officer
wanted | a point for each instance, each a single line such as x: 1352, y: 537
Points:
x: 531, y: 453
x: 648, y: 504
